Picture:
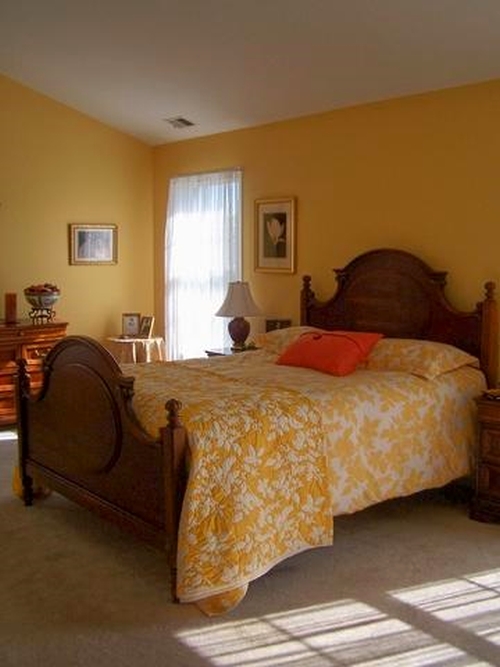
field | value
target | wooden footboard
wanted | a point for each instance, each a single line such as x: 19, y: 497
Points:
x: 80, y: 437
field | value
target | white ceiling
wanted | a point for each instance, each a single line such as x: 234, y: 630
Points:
x: 229, y: 64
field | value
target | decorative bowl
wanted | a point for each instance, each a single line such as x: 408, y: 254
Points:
x: 42, y: 296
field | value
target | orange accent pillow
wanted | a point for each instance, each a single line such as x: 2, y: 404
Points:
x: 333, y: 352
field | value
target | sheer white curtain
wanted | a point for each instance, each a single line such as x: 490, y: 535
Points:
x: 202, y: 255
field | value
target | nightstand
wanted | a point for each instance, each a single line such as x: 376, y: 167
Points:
x: 226, y: 351
x: 486, y: 501
x: 134, y: 350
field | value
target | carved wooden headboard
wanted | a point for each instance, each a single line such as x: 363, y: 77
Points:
x: 397, y: 294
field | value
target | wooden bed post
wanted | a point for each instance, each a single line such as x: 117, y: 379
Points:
x: 306, y: 298
x: 175, y: 443
x: 23, y: 388
x: 489, y: 334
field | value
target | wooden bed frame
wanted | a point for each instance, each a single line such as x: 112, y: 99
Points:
x: 81, y: 438
x: 395, y: 293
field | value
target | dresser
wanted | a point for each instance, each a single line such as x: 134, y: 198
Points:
x: 23, y: 340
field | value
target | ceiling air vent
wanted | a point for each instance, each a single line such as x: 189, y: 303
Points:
x: 179, y: 122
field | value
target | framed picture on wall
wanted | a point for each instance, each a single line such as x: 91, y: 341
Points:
x: 146, y: 326
x: 275, y: 235
x: 131, y: 323
x: 93, y: 244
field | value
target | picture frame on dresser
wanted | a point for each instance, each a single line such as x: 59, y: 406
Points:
x: 93, y: 244
x: 131, y: 323
x: 275, y: 235
x: 146, y: 326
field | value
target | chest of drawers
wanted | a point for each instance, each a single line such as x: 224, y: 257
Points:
x: 23, y: 340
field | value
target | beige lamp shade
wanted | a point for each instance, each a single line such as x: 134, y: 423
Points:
x: 238, y: 304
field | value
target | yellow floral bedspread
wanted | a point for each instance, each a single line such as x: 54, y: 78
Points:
x: 278, y: 451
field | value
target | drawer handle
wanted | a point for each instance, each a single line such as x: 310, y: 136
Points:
x: 39, y: 354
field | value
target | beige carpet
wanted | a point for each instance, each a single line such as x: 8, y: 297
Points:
x: 412, y: 582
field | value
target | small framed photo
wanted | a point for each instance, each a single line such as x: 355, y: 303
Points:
x: 275, y: 235
x: 272, y: 325
x: 93, y: 244
x: 131, y: 323
x: 146, y: 326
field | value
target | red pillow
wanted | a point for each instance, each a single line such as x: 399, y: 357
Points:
x: 333, y: 352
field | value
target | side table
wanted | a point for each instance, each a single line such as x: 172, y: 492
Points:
x: 226, y: 351
x: 486, y: 502
x: 135, y: 350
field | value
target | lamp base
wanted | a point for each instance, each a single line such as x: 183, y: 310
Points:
x: 238, y: 328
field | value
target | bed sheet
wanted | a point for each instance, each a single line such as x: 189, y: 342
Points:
x: 278, y: 451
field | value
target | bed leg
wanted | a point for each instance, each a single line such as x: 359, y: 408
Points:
x: 173, y: 584
x: 27, y: 489
x: 176, y: 448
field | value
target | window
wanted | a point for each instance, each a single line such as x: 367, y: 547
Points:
x: 202, y: 255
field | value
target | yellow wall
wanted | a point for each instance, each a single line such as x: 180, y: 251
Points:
x: 57, y: 167
x: 418, y: 173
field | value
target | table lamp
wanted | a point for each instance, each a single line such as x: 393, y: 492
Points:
x: 238, y: 304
